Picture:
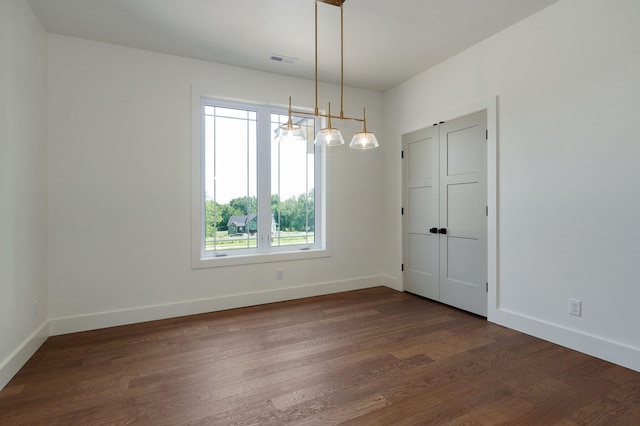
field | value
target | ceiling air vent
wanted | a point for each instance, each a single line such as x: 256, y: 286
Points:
x: 283, y: 59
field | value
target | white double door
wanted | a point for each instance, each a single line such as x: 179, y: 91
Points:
x: 445, y: 212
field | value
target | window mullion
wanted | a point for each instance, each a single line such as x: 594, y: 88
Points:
x: 264, y: 178
x: 202, y: 187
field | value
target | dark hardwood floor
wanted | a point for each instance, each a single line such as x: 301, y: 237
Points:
x: 368, y: 357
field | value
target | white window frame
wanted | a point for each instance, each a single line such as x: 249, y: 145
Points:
x: 200, y: 258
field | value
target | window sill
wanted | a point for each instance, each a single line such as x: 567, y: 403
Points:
x: 249, y: 259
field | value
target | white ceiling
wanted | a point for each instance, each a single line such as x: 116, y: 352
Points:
x: 386, y: 41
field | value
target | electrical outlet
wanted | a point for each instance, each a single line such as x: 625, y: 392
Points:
x: 34, y: 309
x: 575, y: 307
x: 279, y: 274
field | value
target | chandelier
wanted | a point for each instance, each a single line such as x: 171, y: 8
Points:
x: 330, y: 136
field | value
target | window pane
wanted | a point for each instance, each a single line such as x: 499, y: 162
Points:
x: 230, y: 179
x: 292, y: 185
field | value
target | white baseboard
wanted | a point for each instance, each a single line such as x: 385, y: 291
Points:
x: 14, y: 362
x: 598, y: 347
x: 392, y: 282
x: 150, y: 313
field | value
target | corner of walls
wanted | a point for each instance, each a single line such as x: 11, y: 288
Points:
x: 23, y: 187
x: 21, y: 355
x: 598, y: 347
x: 392, y: 282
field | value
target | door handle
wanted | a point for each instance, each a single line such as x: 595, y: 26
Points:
x: 442, y: 231
x: 433, y: 230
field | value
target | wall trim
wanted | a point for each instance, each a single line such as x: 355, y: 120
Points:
x: 95, y: 321
x: 614, y: 352
x: 392, y: 283
x: 14, y: 362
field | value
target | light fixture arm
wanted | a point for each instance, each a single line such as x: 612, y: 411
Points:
x: 364, y: 119
x: 290, y: 123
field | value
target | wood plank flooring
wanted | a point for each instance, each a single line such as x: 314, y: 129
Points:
x: 367, y: 357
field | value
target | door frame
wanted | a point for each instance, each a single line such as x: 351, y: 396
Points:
x: 489, y: 104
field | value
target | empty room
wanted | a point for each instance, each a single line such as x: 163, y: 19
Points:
x: 303, y: 212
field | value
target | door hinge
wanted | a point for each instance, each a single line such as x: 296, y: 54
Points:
x: 402, y: 267
x: 486, y: 210
x: 487, y: 288
x: 486, y: 134
x: 401, y: 154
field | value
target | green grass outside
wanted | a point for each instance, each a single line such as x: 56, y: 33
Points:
x: 224, y: 242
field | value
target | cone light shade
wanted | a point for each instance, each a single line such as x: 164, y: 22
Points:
x: 364, y: 139
x: 289, y: 131
x: 329, y: 136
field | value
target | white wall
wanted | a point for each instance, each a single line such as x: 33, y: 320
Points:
x: 119, y: 190
x: 23, y: 201
x: 568, y: 87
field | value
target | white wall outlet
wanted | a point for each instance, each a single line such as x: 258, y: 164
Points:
x: 279, y: 274
x: 575, y: 307
x: 34, y: 309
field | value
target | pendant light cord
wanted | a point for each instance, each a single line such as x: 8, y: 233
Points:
x: 341, y: 59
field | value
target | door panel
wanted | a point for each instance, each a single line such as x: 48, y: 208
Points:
x: 463, y: 151
x: 418, y: 151
x: 422, y: 272
x: 463, y: 266
x: 461, y: 198
x: 419, y: 207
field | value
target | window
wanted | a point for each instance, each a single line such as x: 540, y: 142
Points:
x: 259, y: 197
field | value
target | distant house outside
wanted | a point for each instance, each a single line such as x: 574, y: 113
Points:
x: 246, y: 224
